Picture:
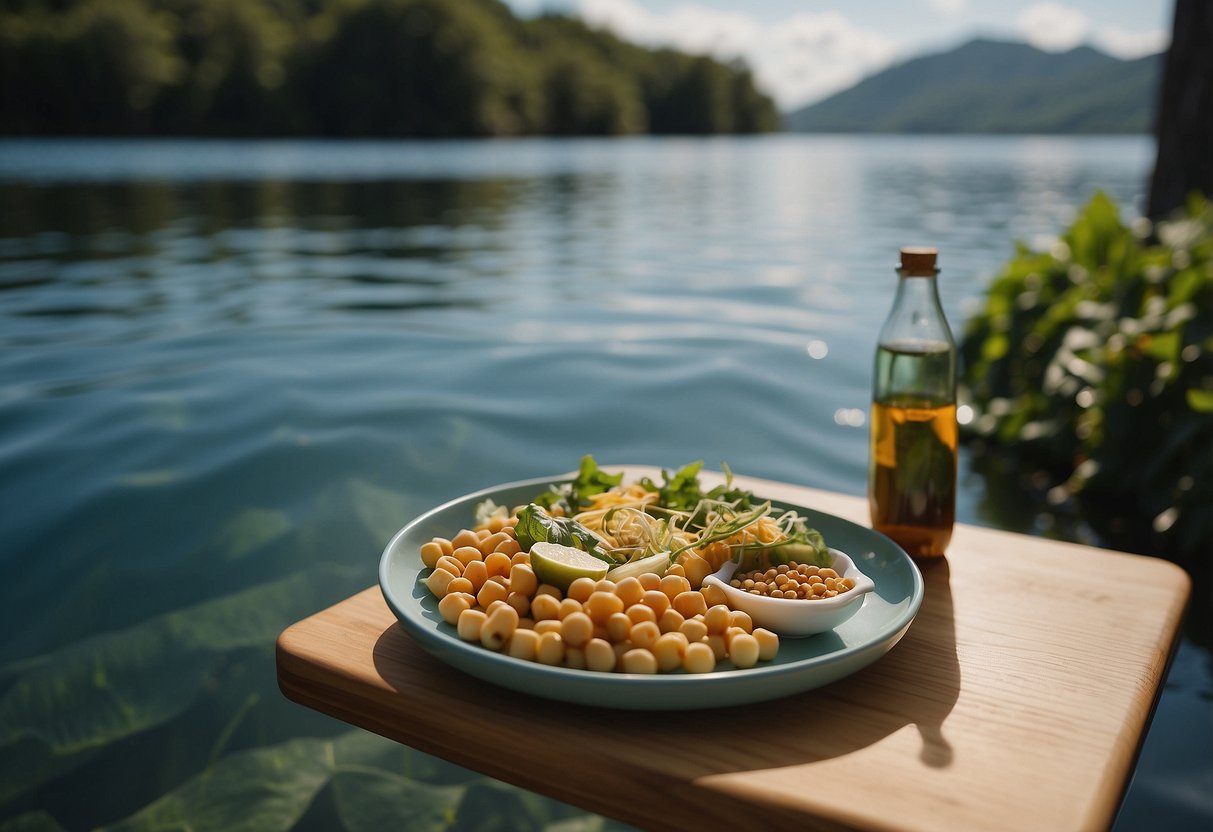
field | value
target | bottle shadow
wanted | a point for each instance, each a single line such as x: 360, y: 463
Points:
x: 917, y: 683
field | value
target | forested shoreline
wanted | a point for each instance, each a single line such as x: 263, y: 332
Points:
x: 417, y: 68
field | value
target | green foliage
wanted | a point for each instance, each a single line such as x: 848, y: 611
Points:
x: 1097, y: 359
x: 356, y: 67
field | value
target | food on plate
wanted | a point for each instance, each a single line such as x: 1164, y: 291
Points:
x: 799, y: 581
x: 602, y: 575
x: 560, y: 565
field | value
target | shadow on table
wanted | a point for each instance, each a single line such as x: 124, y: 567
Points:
x: 916, y: 683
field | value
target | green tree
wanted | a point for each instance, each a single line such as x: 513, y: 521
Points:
x: 586, y: 96
x: 236, y: 54
x: 114, y: 57
x: 421, y: 68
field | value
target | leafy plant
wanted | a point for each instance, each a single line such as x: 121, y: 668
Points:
x: 1095, y: 359
x: 575, y: 495
x: 682, y: 491
x: 535, y: 526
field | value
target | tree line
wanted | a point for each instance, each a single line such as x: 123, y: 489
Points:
x: 424, y: 68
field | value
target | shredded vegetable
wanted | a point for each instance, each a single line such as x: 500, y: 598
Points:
x: 645, y: 527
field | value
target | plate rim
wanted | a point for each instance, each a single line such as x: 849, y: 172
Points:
x: 441, y: 644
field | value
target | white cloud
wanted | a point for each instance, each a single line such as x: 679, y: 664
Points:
x: 796, y: 60
x: 948, y: 7
x: 1052, y: 27
x: 1127, y: 44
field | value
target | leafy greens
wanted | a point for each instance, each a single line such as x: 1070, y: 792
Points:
x: 535, y: 525
x: 573, y: 496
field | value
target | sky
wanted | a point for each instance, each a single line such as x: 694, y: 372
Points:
x: 804, y: 50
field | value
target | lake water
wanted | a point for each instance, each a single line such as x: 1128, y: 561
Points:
x: 230, y: 370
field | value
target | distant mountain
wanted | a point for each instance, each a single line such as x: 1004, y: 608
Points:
x: 988, y: 86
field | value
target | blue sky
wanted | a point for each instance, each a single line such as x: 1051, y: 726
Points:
x: 803, y: 50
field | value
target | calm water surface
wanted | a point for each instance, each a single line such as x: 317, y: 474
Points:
x: 229, y: 371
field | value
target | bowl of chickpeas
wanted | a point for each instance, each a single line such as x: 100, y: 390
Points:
x: 795, y: 599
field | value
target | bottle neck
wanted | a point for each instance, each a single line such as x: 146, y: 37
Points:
x: 917, y: 317
x: 915, y: 356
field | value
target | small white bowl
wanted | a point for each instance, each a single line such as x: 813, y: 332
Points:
x: 797, y: 616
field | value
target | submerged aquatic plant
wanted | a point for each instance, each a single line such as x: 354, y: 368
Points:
x: 1095, y: 360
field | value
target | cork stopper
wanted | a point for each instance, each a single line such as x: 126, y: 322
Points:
x: 918, y: 260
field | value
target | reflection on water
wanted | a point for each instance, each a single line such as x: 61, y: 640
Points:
x: 231, y: 370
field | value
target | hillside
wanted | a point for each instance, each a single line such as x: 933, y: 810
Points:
x: 415, y: 68
x: 988, y: 86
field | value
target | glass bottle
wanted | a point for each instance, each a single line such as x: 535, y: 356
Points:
x: 912, y: 462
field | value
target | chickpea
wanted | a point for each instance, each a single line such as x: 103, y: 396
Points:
x: 768, y: 644
x: 713, y: 595
x: 670, y: 621
x: 519, y: 602
x: 467, y: 554
x: 548, y: 625
x: 450, y: 564
x: 574, y: 657
x: 673, y: 585
x: 645, y: 634
x: 694, y: 629
x: 498, y: 627
x: 741, y: 618
x: 618, y: 627
x: 548, y: 589
x: 465, y: 537
x: 438, y: 581
x: 639, y: 660
x: 649, y: 581
x: 497, y: 564
x: 523, y: 644
x: 698, y: 658
x: 690, y: 603
x: 549, y: 649
x: 488, y: 544
x: 581, y: 589
x: 511, y: 549
x: 452, y: 604
x: 461, y: 585
x: 522, y: 579
x: 490, y: 592
x: 629, y: 591
x: 599, y: 656
x: 716, y: 619
x: 430, y: 553
x: 476, y: 572
x: 567, y: 607
x: 641, y: 612
x: 656, y: 600
x: 602, y: 605
x: 544, y: 607
x: 668, y: 651
x: 576, y: 629
x: 696, y: 570
x: 470, y: 623
x: 444, y: 545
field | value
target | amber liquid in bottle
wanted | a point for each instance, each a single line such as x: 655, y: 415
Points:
x: 912, y: 476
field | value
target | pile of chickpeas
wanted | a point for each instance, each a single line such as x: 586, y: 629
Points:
x: 489, y: 593
x: 793, y: 580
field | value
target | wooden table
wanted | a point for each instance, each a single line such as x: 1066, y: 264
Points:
x: 1017, y: 700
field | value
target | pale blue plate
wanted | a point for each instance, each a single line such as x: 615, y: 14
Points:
x: 802, y: 663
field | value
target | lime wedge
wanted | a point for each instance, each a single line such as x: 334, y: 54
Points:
x: 561, y: 565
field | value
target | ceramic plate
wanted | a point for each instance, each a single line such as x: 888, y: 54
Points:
x: 802, y: 663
